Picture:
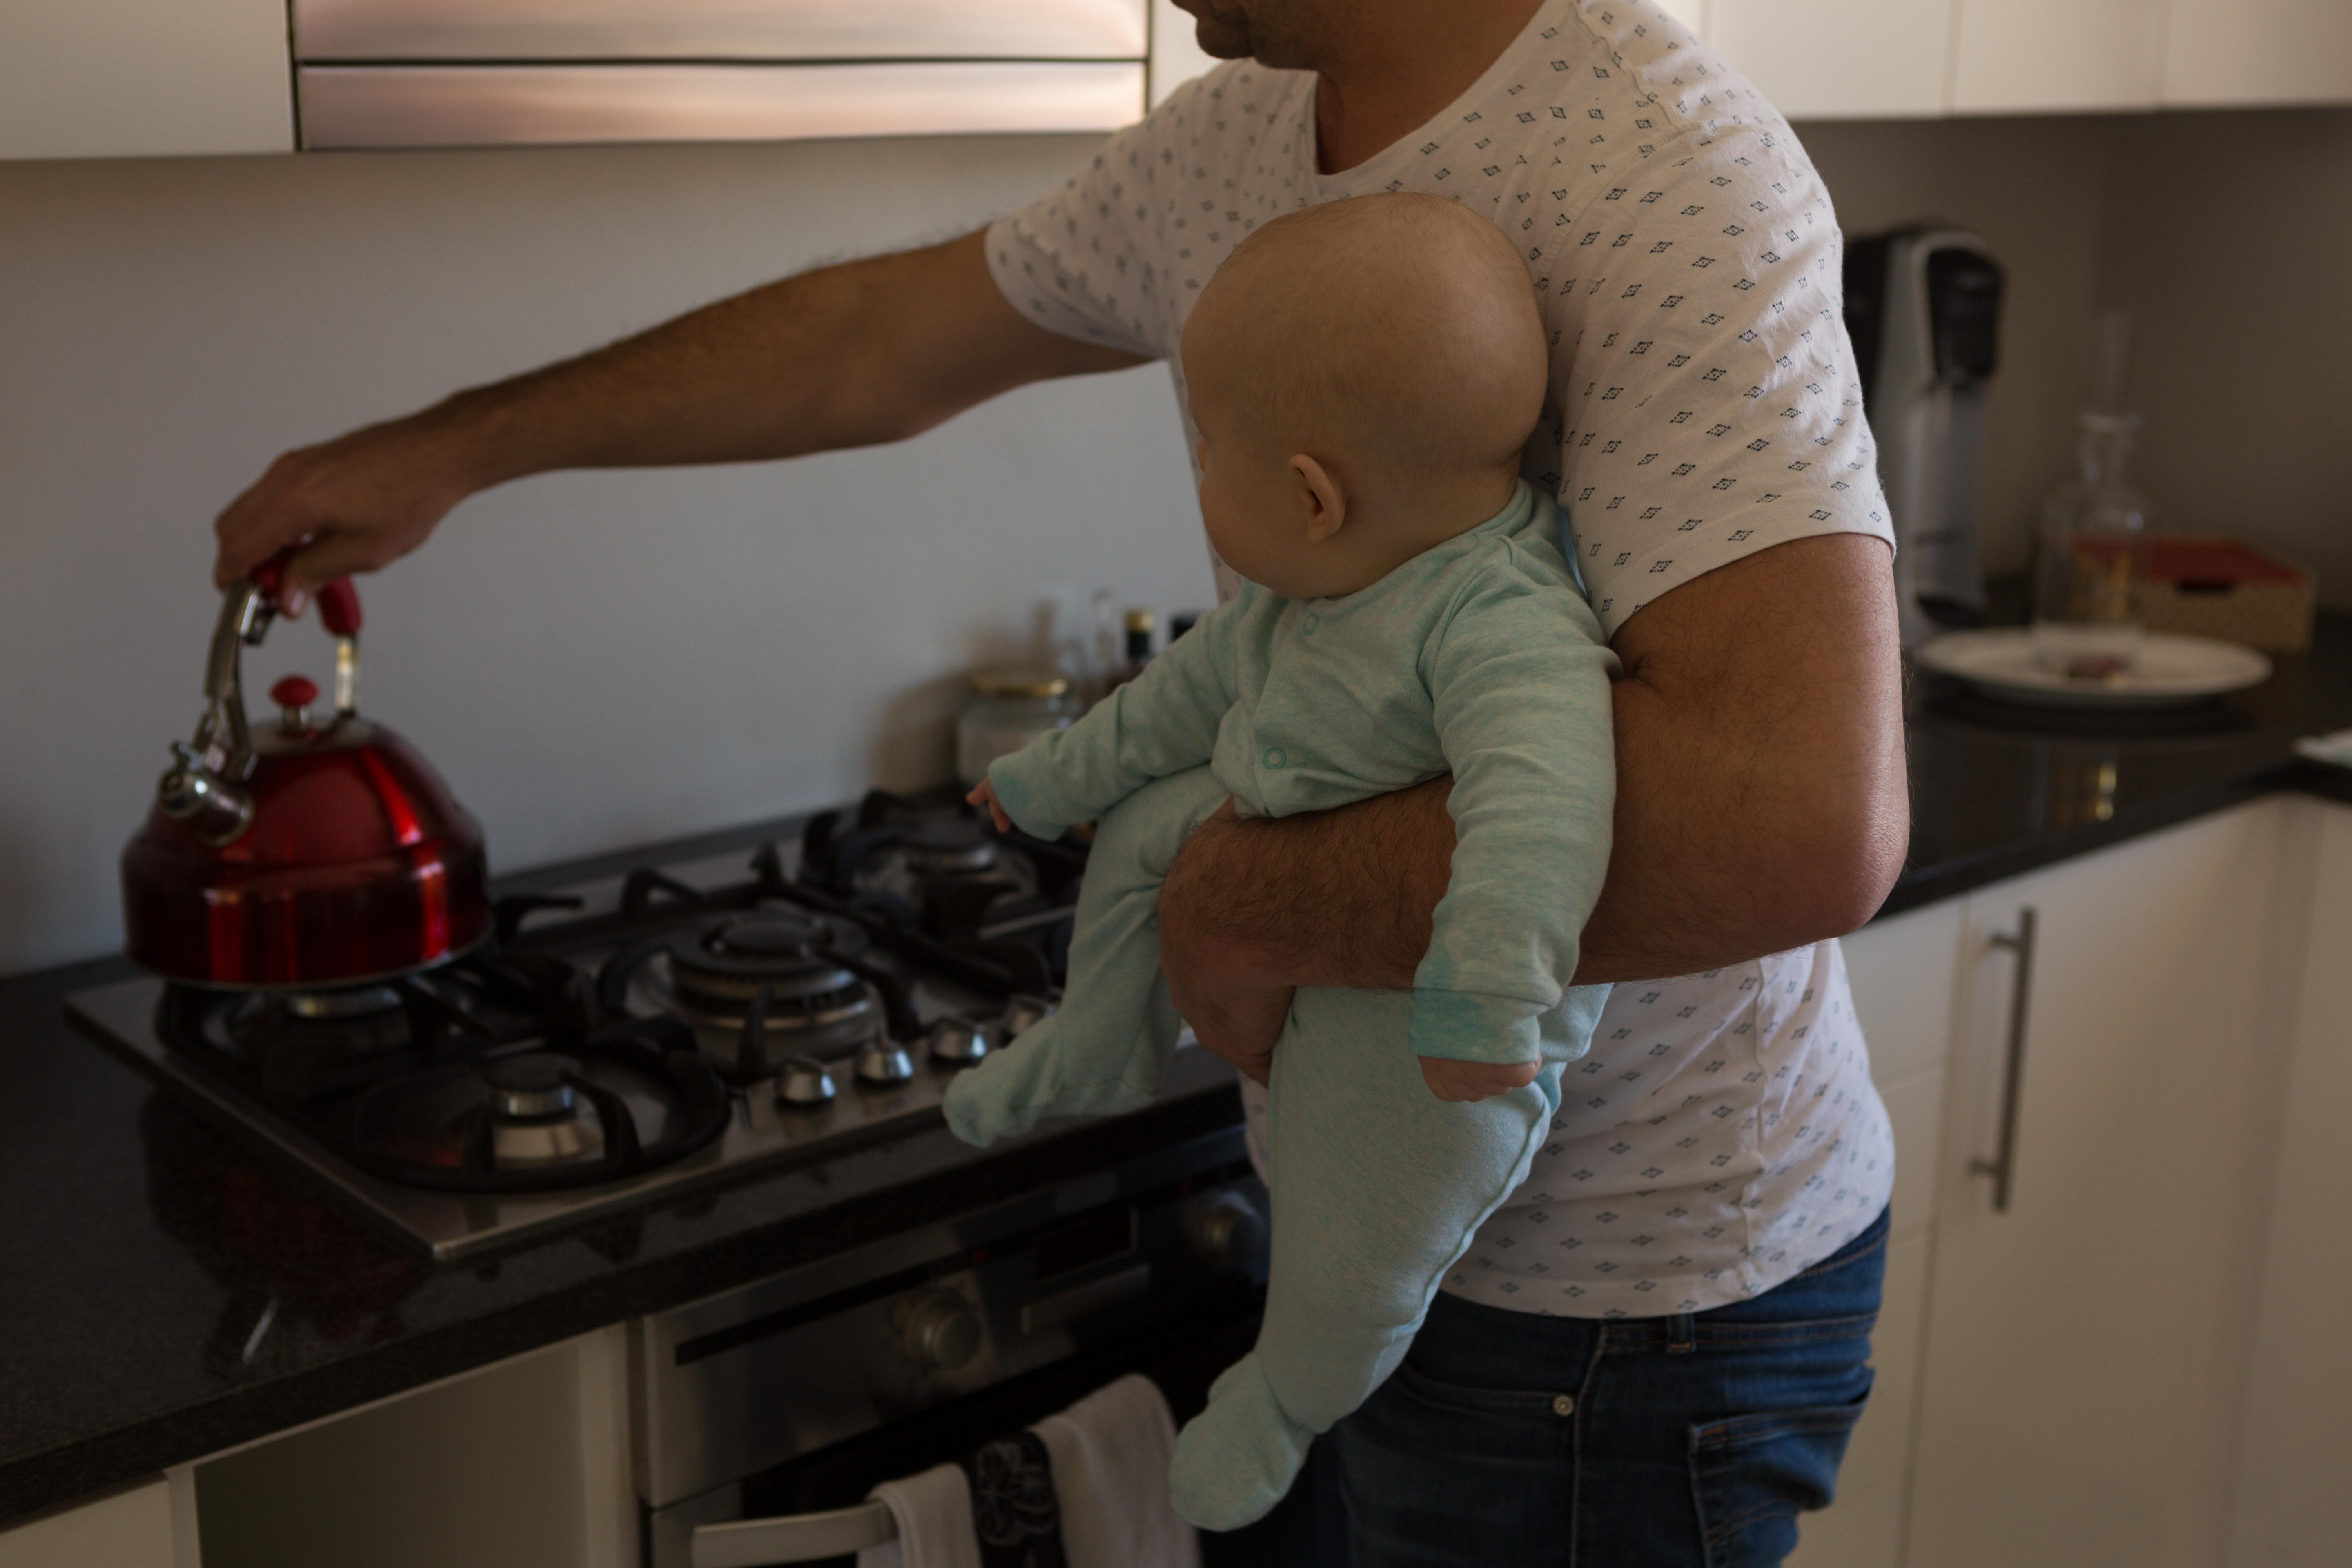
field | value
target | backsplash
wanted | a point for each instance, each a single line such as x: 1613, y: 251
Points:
x: 596, y: 659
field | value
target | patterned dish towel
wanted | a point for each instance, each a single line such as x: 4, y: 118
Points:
x: 1086, y: 1488
x: 2336, y: 749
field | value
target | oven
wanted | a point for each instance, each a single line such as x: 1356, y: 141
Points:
x: 793, y: 1395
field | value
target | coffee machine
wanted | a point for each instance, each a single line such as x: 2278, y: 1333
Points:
x: 1923, y: 308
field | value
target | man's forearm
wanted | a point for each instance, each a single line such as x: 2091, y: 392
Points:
x: 1760, y: 805
x: 838, y: 357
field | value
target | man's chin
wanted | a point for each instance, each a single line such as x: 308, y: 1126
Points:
x: 1220, y: 35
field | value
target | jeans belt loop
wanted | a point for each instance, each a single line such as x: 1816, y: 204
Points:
x: 1682, y: 1335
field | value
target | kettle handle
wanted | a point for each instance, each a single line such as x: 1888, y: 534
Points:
x: 339, y: 612
x: 204, y: 786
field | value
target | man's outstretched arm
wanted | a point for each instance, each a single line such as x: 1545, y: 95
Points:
x: 851, y: 355
x: 1761, y: 805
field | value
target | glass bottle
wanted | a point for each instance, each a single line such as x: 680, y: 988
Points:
x: 1140, y: 624
x: 2086, y: 601
x: 1009, y: 707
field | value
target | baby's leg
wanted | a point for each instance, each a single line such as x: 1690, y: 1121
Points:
x: 1377, y: 1188
x: 1102, y: 1050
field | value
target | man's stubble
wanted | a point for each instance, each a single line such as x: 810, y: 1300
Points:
x: 1287, y: 34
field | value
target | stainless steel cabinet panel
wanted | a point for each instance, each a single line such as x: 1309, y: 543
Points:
x: 717, y: 29
x: 472, y: 106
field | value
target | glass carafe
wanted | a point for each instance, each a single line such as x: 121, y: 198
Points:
x: 2086, y: 598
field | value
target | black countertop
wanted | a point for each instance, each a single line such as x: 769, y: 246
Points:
x: 139, y: 1248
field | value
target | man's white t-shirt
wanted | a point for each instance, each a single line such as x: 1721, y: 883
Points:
x: 1722, y: 1134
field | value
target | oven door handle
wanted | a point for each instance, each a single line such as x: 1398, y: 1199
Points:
x: 794, y: 1537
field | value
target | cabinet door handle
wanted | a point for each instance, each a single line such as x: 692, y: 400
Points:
x: 2002, y: 1166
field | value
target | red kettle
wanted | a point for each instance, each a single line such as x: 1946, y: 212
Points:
x: 303, y: 854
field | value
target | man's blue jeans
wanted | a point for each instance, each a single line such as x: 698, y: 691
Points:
x: 1508, y: 1440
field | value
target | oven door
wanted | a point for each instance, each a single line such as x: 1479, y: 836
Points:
x: 799, y: 1392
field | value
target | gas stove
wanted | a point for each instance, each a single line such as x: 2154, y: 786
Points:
x: 625, y: 1039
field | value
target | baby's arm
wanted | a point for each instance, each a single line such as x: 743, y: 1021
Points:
x: 1162, y: 723
x: 1519, y: 676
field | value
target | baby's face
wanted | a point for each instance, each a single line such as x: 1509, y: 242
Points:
x: 1250, y: 502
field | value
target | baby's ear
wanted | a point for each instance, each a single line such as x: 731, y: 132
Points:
x: 1320, y: 498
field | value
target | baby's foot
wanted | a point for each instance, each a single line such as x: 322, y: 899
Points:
x: 1236, y: 1459
x: 1008, y: 1091
x: 1033, y: 1078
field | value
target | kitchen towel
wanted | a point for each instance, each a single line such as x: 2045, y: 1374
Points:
x: 933, y: 1513
x: 1086, y: 1488
x: 1110, y: 1453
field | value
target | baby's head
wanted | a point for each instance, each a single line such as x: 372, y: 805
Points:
x: 1364, y: 374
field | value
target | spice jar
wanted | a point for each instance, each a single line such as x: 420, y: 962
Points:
x: 1009, y: 707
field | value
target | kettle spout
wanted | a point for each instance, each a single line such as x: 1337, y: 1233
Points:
x: 216, y: 810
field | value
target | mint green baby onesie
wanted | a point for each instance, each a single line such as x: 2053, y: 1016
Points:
x: 1479, y: 658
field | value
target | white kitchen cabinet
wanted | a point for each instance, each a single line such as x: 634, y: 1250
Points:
x: 2296, y: 1448
x: 1902, y: 971
x: 129, y: 1529
x: 96, y: 78
x: 1825, y: 59
x: 2258, y: 51
x: 2083, y: 1361
x: 519, y: 1465
x: 1691, y: 14
x: 2024, y: 57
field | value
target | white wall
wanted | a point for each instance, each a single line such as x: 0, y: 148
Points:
x: 600, y: 660
x: 592, y: 659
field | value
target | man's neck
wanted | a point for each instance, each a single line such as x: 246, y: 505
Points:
x: 1402, y: 63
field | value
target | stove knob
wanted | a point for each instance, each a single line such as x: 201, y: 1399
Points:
x: 940, y: 1331
x: 884, y: 1064
x: 1225, y: 1231
x: 958, y: 1040
x: 1023, y: 1013
x: 805, y: 1083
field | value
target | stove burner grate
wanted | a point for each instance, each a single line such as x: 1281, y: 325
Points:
x: 620, y: 1101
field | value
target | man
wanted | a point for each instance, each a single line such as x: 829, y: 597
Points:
x: 1654, y: 1354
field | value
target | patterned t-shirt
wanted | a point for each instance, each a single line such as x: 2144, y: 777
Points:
x: 1701, y: 406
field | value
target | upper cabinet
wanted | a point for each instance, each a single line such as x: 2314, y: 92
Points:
x: 100, y: 79
x: 86, y: 79
x: 2258, y: 51
x: 1818, y: 59
x: 1840, y: 58
x: 469, y: 73
x: 2025, y: 57
x: 125, y: 77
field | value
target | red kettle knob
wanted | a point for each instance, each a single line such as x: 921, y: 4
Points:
x: 294, y: 694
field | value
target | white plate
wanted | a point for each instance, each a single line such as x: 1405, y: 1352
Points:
x: 2170, y: 671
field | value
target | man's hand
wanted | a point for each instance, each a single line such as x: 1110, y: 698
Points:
x: 1761, y: 805
x: 1225, y: 934
x: 852, y: 356
x: 1458, y: 1082
x: 362, y: 501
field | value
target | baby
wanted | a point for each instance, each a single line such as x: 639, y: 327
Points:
x: 1364, y: 374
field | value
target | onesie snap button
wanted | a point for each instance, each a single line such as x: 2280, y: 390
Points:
x: 1274, y: 757
x: 1310, y: 622
x: 1561, y: 1405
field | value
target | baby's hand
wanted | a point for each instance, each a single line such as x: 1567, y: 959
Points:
x: 1452, y: 1080
x: 985, y: 795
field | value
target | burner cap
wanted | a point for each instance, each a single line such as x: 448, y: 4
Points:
x: 952, y: 844
x: 350, y: 1003
x: 770, y: 935
x: 529, y: 1086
